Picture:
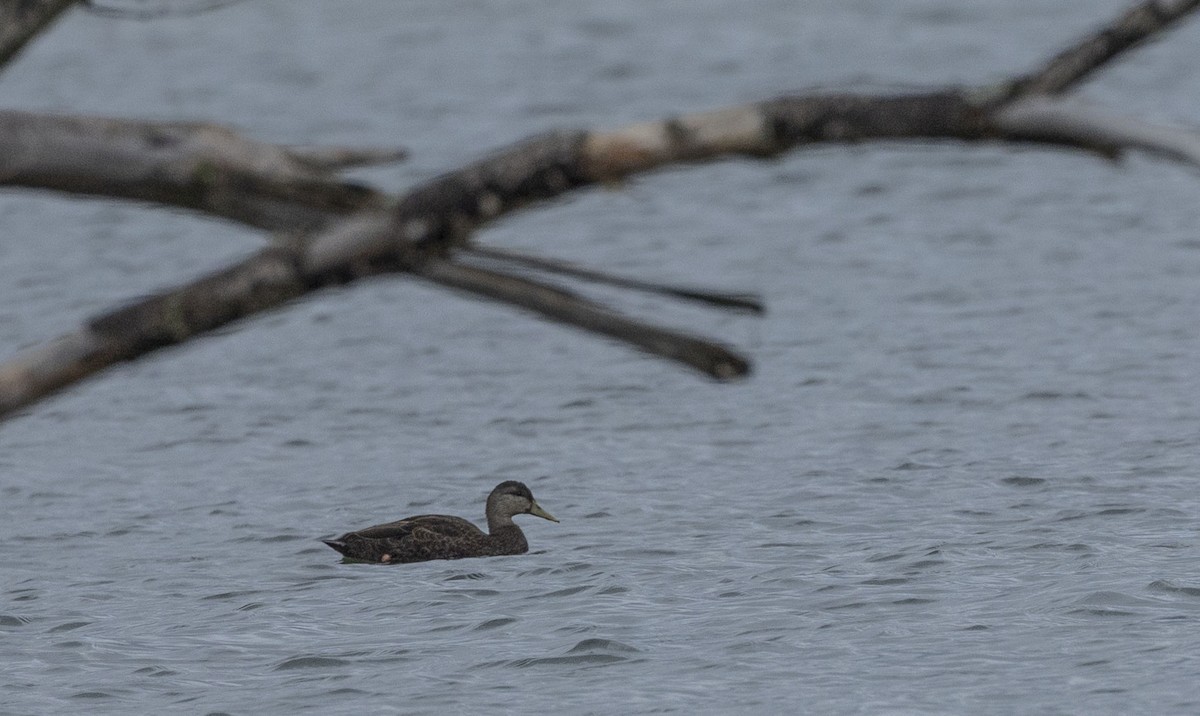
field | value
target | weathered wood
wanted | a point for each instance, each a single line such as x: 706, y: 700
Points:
x: 339, y: 231
x: 767, y: 129
x: 204, y: 167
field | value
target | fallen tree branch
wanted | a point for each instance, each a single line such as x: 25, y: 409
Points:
x: 276, y: 275
x: 339, y: 232
x: 418, y: 230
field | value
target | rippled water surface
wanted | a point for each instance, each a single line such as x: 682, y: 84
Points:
x: 962, y: 480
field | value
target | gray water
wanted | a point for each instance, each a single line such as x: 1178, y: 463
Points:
x: 962, y: 480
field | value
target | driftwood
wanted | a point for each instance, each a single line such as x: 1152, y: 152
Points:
x: 331, y: 232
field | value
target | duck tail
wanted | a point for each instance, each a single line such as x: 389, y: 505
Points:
x: 337, y: 544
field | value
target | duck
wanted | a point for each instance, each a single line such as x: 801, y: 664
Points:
x: 428, y: 537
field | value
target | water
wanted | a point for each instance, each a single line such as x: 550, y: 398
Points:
x: 961, y: 480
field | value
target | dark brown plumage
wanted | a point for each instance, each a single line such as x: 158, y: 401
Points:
x: 425, y: 537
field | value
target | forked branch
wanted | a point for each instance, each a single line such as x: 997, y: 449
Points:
x: 337, y: 232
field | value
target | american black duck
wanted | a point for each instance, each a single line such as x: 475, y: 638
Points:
x: 425, y: 537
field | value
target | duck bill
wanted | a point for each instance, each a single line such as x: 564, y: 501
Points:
x: 537, y: 510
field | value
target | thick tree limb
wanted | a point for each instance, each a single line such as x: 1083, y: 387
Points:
x: 266, y: 280
x: 771, y: 128
x: 22, y: 20
x: 191, y: 165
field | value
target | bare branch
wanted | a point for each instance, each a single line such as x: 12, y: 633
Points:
x: 770, y: 128
x: 20, y: 22
x: 325, y: 160
x: 1073, y: 65
x: 204, y: 167
x: 338, y: 231
x: 38, y: 372
x: 566, y: 307
x: 415, y: 232
x: 360, y: 246
x: 265, y: 280
x: 734, y: 301
x: 1077, y: 125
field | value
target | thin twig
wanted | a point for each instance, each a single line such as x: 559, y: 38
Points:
x: 734, y: 301
x: 1139, y: 24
